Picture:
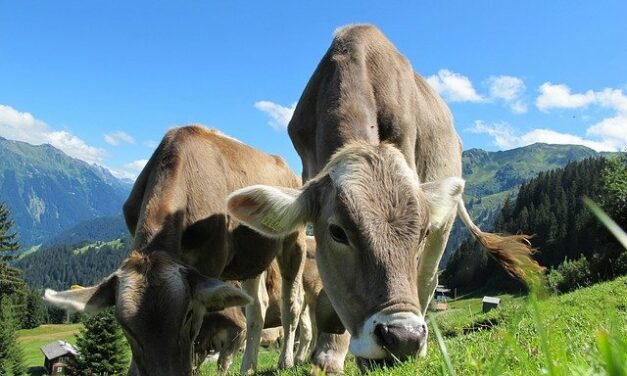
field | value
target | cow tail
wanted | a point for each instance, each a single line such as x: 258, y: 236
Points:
x: 513, y: 252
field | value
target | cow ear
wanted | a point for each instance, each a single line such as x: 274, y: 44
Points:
x: 442, y: 197
x: 216, y: 295
x: 272, y: 211
x: 88, y: 299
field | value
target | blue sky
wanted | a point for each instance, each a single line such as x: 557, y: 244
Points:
x: 103, y: 80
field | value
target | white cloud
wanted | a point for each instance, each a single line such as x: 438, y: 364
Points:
x: 151, y: 144
x: 22, y: 126
x: 505, y: 137
x: 518, y: 107
x: 506, y: 87
x: 129, y: 170
x: 612, y: 130
x: 454, y: 87
x: 279, y: 115
x: 559, y: 96
x: 136, y: 166
x: 116, y: 138
x: 549, y: 136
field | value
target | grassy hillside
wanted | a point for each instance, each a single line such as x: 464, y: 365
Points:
x: 31, y: 340
x: 556, y: 335
x: 492, y: 176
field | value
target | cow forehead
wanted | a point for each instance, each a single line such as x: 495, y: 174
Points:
x: 135, y: 288
x: 380, y: 193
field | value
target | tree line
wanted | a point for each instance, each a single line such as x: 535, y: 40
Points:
x: 101, y: 346
x: 571, y: 243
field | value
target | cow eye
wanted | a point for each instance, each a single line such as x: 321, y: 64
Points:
x: 338, y: 234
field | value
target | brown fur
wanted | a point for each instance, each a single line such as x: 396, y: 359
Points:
x: 364, y: 119
x: 513, y: 253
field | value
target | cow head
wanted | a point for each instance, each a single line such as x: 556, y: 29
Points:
x: 371, y: 217
x: 160, y: 305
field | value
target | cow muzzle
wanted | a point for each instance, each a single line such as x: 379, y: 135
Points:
x: 390, y: 337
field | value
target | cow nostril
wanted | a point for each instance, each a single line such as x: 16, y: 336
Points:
x: 382, y: 332
x: 401, y: 341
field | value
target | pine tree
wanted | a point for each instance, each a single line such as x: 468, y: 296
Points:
x: 11, y: 362
x: 36, y: 313
x: 614, y: 181
x: 8, y: 241
x: 11, y: 281
x: 102, y: 347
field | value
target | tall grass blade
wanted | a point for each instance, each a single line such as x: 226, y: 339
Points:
x: 612, y: 226
x: 612, y: 349
x: 442, y: 346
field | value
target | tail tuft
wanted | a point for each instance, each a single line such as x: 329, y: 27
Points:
x: 513, y: 252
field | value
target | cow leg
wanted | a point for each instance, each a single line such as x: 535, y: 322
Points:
x: 330, y: 352
x: 234, y: 342
x: 428, y: 268
x: 255, y: 317
x: 305, y: 336
x: 291, y: 261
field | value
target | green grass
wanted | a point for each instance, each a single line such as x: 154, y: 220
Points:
x: 31, y: 340
x: 115, y: 244
x: 580, y: 333
x: 29, y: 251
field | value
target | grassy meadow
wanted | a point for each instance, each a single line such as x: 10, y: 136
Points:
x: 31, y: 340
x: 580, y: 333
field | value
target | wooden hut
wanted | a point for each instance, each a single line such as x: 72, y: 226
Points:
x: 56, y: 356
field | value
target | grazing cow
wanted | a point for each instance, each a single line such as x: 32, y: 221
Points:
x: 183, y: 240
x: 225, y: 331
x: 382, y: 162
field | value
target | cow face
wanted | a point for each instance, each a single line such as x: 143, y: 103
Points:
x: 371, y: 218
x: 160, y: 305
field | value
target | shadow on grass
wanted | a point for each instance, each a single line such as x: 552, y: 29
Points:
x: 36, y: 371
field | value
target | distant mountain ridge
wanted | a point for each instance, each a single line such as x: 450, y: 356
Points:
x: 49, y: 192
x: 58, y: 200
x: 492, y: 176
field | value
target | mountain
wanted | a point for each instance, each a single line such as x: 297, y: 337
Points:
x: 60, y: 266
x: 492, y: 176
x: 49, y: 192
x: 99, y: 229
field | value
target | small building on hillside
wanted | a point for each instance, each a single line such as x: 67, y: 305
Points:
x: 441, y: 298
x: 490, y: 302
x: 57, y: 354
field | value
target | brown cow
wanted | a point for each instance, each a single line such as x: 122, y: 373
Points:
x: 225, y: 331
x: 382, y: 162
x: 183, y: 240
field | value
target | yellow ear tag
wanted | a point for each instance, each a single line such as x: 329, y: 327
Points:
x: 273, y: 222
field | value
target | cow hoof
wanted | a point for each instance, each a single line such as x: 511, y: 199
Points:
x: 327, y: 363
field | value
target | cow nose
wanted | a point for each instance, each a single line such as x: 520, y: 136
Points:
x: 402, y: 341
